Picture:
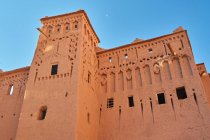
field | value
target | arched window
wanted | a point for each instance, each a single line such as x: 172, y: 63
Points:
x: 50, y: 30
x: 58, y: 28
x: 67, y: 26
x: 42, y: 113
x: 76, y: 25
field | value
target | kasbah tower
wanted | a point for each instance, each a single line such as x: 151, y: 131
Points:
x: 75, y: 90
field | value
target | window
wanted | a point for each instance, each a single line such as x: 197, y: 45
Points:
x: 110, y: 59
x: 89, y: 77
x: 150, y: 50
x: 110, y: 102
x: 75, y: 26
x: 131, y: 102
x: 58, y: 28
x: 161, y: 98
x: 54, y: 69
x: 181, y: 93
x: 42, y: 113
x: 126, y: 56
x: 11, y: 89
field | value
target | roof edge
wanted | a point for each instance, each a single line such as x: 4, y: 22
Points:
x: 15, y: 70
x: 72, y: 13
x: 144, y: 41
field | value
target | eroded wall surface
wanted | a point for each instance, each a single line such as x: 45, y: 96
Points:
x: 12, y: 90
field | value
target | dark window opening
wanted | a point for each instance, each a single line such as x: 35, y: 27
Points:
x: 75, y: 26
x: 110, y: 59
x: 54, y: 69
x: 110, y: 102
x: 161, y: 98
x: 42, y: 113
x: 11, y: 89
x: 150, y: 50
x: 126, y: 56
x: 131, y: 102
x: 181, y: 93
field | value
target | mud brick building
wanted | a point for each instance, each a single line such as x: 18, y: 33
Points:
x: 75, y: 90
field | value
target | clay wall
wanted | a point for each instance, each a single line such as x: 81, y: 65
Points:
x: 12, y: 90
x: 88, y: 108
x: 68, y: 95
x: 205, y: 79
x: 133, y: 75
x: 55, y: 91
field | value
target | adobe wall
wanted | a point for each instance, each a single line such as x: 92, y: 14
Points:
x: 143, y: 70
x: 66, y: 95
x: 57, y: 92
x: 205, y: 79
x: 10, y: 104
x: 88, y: 106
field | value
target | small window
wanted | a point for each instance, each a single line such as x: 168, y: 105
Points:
x: 42, y: 113
x: 126, y: 56
x: 110, y: 59
x: 150, y: 50
x: 110, y: 102
x: 11, y: 89
x: 89, y: 77
x: 161, y: 98
x: 181, y: 93
x: 58, y: 28
x: 54, y: 69
x: 131, y: 102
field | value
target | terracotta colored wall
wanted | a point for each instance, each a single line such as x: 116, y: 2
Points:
x: 88, y: 106
x: 205, y: 79
x: 67, y: 95
x: 143, y: 75
x: 57, y: 92
x: 10, y: 105
x: 76, y: 97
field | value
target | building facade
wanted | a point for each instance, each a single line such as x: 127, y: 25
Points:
x: 74, y: 90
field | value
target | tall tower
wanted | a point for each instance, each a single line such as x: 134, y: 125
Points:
x: 60, y: 100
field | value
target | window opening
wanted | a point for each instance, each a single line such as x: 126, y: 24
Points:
x: 161, y: 98
x: 150, y: 50
x: 126, y: 56
x: 131, y: 102
x: 181, y: 93
x: 11, y: 89
x: 54, y: 69
x: 110, y: 102
x: 110, y: 59
x: 42, y: 113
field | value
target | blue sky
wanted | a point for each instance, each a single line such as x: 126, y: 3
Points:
x: 116, y: 22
